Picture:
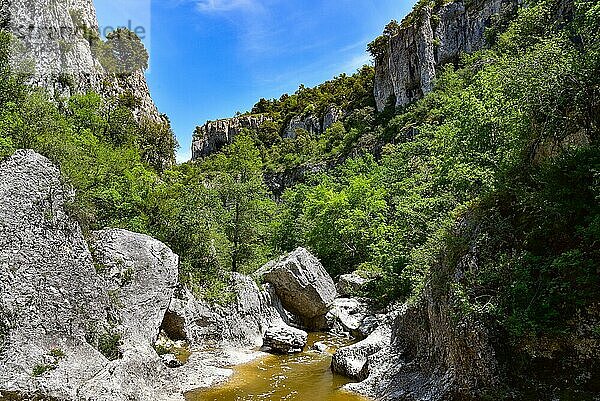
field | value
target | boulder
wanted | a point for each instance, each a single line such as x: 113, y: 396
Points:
x: 284, y: 339
x: 141, y: 274
x: 351, y: 361
x: 302, y: 284
x: 347, y: 316
x: 241, y: 323
x: 349, y: 285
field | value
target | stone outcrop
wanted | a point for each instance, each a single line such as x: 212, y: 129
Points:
x: 242, y: 323
x: 302, y: 283
x: 51, y: 42
x: 50, y: 293
x: 278, y: 182
x: 349, y: 285
x: 332, y: 115
x: 351, y: 316
x: 213, y: 135
x: 310, y: 124
x: 406, y: 67
x: 76, y: 326
x: 352, y: 361
x: 284, y: 339
x: 418, y: 353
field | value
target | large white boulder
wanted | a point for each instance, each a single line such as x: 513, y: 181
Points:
x: 141, y: 275
x: 284, y: 339
x: 302, y: 283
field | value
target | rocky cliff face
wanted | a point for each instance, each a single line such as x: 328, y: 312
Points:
x: 406, y: 67
x: 213, y: 135
x: 75, y: 324
x: 428, y: 349
x: 51, y: 42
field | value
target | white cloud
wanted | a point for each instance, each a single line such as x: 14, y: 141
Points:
x: 356, y: 62
x: 209, y: 6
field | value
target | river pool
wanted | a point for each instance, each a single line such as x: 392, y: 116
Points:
x: 304, y: 377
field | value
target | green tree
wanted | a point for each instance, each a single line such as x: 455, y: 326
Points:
x: 123, y: 53
x: 157, y: 143
x: 248, y: 209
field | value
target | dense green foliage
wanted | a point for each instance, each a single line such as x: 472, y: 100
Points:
x: 507, y: 143
x: 498, y: 165
x: 351, y: 93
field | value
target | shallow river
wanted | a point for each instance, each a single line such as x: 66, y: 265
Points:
x: 304, y: 376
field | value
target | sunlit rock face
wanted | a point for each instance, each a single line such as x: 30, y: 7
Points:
x: 405, y: 71
x: 213, y: 135
x: 77, y: 324
x: 303, y: 285
x: 52, y: 45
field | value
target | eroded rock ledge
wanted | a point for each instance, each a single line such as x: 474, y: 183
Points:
x: 214, y: 135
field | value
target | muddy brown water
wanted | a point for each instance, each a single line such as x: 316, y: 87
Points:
x: 306, y: 376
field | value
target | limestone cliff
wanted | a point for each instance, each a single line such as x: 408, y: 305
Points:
x: 433, y: 35
x: 213, y: 135
x: 77, y: 324
x: 53, y: 44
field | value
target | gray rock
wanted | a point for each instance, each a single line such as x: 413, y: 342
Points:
x: 171, y: 361
x: 239, y: 324
x: 213, y: 135
x: 407, y: 68
x: 349, y: 285
x: 351, y: 361
x: 309, y: 124
x: 141, y: 274
x: 57, y: 308
x: 430, y: 355
x: 49, y: 290
x: 302, y: 284
x: 285, y: 339
x: 368, y: 325
x: 332, y: 115
x: 347, y: 316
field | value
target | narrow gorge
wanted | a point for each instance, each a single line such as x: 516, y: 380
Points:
x: 425, y: 229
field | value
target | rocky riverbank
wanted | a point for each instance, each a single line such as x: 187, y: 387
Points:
x: 85, y: 318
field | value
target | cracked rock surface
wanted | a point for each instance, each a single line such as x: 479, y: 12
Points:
x: 76, y: 327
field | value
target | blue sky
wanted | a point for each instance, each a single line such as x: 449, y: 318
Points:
x: 211, y: 58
